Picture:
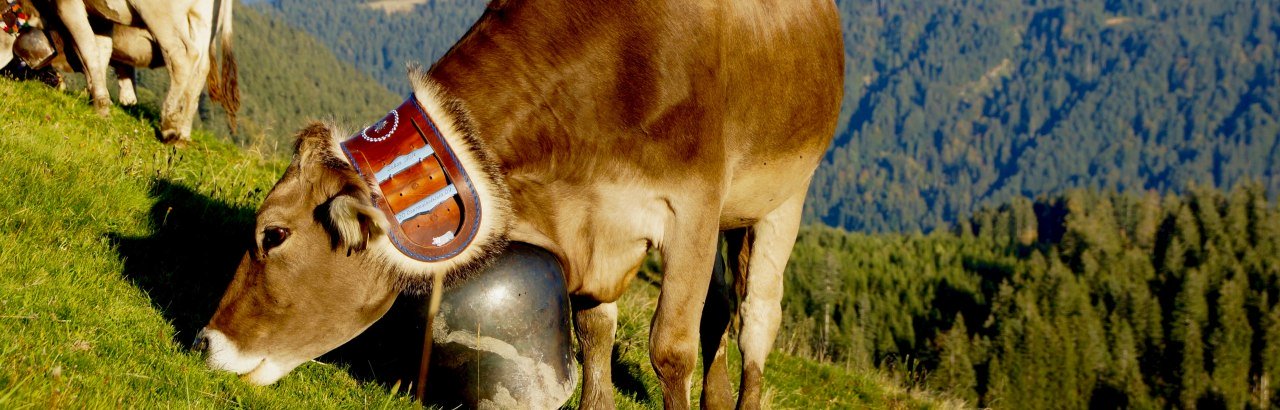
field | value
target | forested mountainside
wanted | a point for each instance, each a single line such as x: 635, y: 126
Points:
x: 1088, y: 299
x: 287, y: 79
x: 953, y: 105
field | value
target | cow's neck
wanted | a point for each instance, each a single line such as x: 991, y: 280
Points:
x: 515, y: 79
x: 512, y: 76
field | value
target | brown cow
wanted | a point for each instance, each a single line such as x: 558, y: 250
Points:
x: 597, y: 130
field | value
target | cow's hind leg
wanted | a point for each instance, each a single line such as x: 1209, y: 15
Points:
x: 596, y: 326
x: 767, y: 247
x: 717, y: 393
x: 688, y: 251
x: 173, y: 31
x: 124, y: 77
x: 200, y: 19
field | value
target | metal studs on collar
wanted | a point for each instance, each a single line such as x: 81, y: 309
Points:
x: 395, y: 118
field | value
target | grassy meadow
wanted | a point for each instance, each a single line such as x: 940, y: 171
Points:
x: 114, y: 250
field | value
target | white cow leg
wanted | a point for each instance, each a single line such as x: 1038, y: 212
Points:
x: 76, y: 19
x: 180, y: 55
x: 596, y: 327
x: 770, y: 242
x: 124, y: 77
x: 200, y: 21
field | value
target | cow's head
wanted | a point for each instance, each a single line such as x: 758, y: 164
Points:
x: 322, y: 267
x: 308, y: 284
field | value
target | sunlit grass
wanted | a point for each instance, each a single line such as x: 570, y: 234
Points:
x: 79, y: 323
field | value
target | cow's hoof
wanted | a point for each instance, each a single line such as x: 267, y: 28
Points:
x: 103, y: 109
x: 174, y: 138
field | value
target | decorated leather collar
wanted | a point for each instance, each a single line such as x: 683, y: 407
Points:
x: 422, y: 189
x: 13, y: 19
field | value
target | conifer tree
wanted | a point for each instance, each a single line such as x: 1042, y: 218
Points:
x: 955, y: 373
x: 1124, y: 373
x: 1268, y: 384
x: 1186, y: 340
x: 1230, y: 344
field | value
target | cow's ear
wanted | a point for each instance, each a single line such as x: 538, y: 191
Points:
x: 354, y: 222
x: 318, y: 158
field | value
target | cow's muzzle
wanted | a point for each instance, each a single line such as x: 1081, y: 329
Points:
x: 220, y: 353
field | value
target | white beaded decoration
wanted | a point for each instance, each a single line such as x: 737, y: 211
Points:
x: 395, y: 117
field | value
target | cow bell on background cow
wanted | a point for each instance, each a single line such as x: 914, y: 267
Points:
x: 502, y: 339
x: 34, y: 48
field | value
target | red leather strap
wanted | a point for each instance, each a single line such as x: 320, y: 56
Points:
x: 422, y: 189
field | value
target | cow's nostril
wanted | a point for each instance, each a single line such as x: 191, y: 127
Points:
x: 201, y: 344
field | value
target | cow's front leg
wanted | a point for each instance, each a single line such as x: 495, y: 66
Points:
x: 688, y: 254
x: 76, y: 19
x: 596, y: 327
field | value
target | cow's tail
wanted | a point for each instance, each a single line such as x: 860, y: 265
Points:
x: 223, y: 81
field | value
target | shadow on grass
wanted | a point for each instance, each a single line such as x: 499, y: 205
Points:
x: 187, y: 261
x: 626, y: 377
x: 146, y: 112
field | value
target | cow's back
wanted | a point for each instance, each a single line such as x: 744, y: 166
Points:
x: 576, y: 92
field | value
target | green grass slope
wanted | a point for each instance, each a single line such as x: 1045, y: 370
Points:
x: 114, y: 249
x: 87, y: 315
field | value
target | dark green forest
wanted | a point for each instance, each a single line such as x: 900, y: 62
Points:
x: 1087, y: 299
x: 951, y: 106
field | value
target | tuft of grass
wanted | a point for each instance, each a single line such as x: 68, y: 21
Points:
x: 114, y: 250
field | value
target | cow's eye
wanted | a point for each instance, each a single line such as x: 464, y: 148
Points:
x: 272, y: 237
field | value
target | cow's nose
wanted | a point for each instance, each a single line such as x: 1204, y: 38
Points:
x: 201, y: 344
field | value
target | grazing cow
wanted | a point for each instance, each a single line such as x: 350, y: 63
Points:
x: 131, y: 47
x: 595, y: 129
x: 127, y: 34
